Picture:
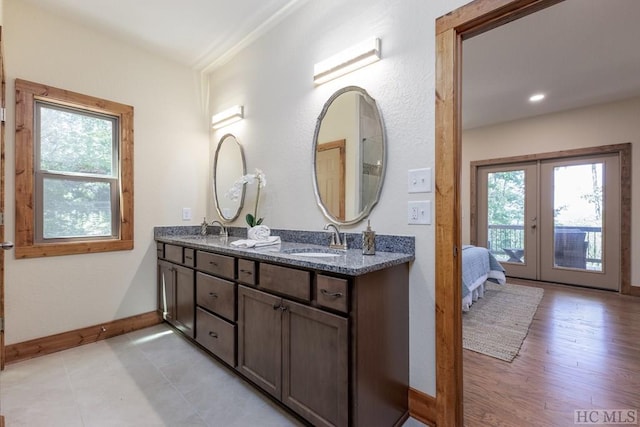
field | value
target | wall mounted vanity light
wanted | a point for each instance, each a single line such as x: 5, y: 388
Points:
x: 348, y: 60
x: 226, y: 117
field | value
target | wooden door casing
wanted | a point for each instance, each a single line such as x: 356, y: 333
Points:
x: 331, y: 175
x: 2, y: 130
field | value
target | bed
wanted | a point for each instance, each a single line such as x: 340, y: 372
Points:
x: 478, y: 266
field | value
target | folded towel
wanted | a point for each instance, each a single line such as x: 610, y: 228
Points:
x: 259, y: 232
x: 251, y: 243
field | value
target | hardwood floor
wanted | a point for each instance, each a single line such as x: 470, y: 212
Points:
x: 582, y: 352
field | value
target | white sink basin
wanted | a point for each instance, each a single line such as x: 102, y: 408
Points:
x: 315, y: 254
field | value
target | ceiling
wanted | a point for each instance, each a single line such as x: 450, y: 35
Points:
x: 197, y: 33
x: 578, y: 52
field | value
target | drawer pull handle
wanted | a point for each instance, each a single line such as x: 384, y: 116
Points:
x: 213, y: 334
x: 280, y: 307
x: 247, y: 272
x: 331, y: 294
x: 215, y: 264
x: 188, y: 257
x: 213, y: 295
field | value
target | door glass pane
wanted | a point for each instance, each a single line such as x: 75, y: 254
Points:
x: 578, y: 216
x: 505, y: 215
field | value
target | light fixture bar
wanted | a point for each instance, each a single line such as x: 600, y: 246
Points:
x: 226, y: 117
x: 348, y: 60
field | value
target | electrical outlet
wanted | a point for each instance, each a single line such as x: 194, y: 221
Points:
x: 186, y: 214
x: 419, y: 180
x: 419, y: 212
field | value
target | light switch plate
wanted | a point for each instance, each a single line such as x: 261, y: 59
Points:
x: 186, y: 214
x: 419, y: 180
x: 419, y: 212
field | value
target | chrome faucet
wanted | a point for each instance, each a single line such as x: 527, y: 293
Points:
x: 336, y: 241
x: 223, y: 229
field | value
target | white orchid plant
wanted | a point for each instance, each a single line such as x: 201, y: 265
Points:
x: 235, y: 192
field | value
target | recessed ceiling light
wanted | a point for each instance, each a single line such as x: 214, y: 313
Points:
x: 537, y: 97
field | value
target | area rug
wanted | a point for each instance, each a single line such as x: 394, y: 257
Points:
x: 497, y: 324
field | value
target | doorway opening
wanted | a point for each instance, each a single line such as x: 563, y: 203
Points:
x: 451, y: 29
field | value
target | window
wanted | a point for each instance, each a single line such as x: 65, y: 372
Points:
x: 74, y: 173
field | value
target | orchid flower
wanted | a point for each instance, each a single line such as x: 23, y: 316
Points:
x: 235, y: 192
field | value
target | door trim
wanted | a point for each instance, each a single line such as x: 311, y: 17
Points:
x: 2, y: 184
x: 624, y: 154
x: 472, y: 18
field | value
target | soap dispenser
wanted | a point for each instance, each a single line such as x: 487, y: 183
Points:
x: 368, y: 240
x: 203, y: 227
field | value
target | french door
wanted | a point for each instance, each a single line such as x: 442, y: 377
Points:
x: 554, y: 220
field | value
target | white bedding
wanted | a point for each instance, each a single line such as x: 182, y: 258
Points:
x: 478, y: 266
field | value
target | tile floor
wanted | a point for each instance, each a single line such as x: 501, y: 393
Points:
x: 151, y: 377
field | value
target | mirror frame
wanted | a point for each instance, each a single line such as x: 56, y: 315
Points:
x: 365, y: 212
x: 216, y: 157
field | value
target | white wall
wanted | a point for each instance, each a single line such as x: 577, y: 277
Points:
x: 605, y: 124
x: 273, y: 79
x: 45, y: 296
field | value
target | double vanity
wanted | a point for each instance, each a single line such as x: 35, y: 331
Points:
x: 324, y: 332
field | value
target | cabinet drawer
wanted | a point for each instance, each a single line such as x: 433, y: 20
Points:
x: 173, y: 253
x: 220, y: 265
x: 189, y: 257
x: 216, y: 295
x: 247, y: 271
x: 160, y: 249
x: 287, y: 281
x: 332, y: 292
x: 216, y: 335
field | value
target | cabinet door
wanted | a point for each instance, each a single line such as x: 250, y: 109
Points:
x: 167, y: 290
x: 315, y: 364
x: 260, y: 339
x: 185, y: 300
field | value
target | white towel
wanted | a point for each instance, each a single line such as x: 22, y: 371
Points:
x: 250, y: 243
x: 259, y: 232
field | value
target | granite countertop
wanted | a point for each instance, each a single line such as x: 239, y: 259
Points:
x: 350, y: 262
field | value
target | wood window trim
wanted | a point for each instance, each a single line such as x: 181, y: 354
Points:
x: 26, y: 95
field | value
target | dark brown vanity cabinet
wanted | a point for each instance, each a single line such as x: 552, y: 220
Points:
x: 176, y: 287
x: 215, y: 316
x: 333, y: 348
x: 185, y: 308
x: 166, y: 291
x: 297, y: 353
x: 260, y: 339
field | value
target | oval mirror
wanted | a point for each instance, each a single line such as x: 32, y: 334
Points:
x: 228, y: 167
x: 348, y: 156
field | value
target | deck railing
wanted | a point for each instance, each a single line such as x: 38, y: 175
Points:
x: 512, y: 237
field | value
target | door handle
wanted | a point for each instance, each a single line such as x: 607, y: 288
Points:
x: 6, y: 245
